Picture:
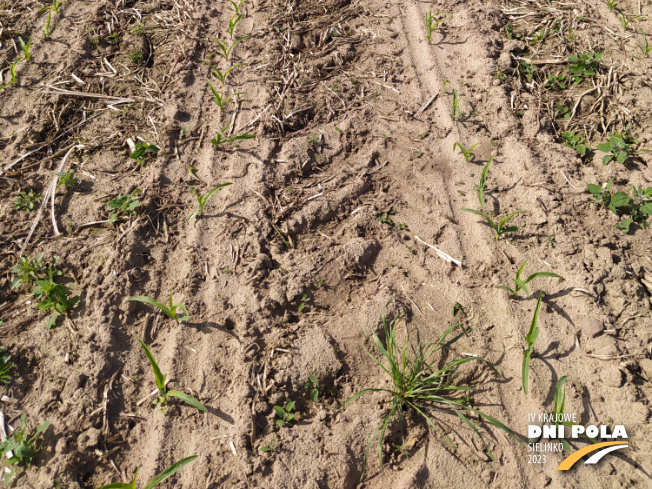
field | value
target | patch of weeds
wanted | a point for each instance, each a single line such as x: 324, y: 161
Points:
x: 303, y: 302
x: 619, y: 147
x: 22, y: 445
x: 161, y: 385
x: 499, y: 226
x: 269, y: 448
x: 284, y: 414
x: 638, y: 207
x: 170, y: 311
x: 138, y: 57
x: 28, y: 270
x: 314, y: 386
x: 138, y: 29
x: 67, y: 179
x: 422, y: 381
x: 468, y: 156
x: 576, y: 142
x: 556, y: 82
x: 5, y: 366
x: 522, y: 284
x: 385, y: 219
x: 169, y: 472
x: 123, y: 204
x: 525, y: 70
x: 26, y: 201
x: 142, y: 150
x: 583, y: 66
x: 53, y: 296
x: 202, y: 200
x: 530, y: 339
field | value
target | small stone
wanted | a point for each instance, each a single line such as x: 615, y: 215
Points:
x: 592, y: 327
x: 88, y: 439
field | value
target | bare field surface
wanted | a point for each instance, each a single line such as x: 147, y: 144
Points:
x: 345, y: 181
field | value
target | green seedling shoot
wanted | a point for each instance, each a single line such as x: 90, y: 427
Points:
x: 123, y: 204
x: 5, y: 366
x: 483, y: 179
x: 161, y: 385
x: 432, y: 23
x: 26, y: 201
x: 235, y: 6
x: 233, y: 22
x: 48, y: 27
x: 170, y: 312
x: 522, y: 284
x: 314, y: 386
x: 53, y: 296
x: 225, y: 50
x: 169, y: 472
x: 284, y: 414
x: 202, y: 200
x: 22, y: 446
x: 219, y: 138
x: 25, y: 47
x: 422, y: 383
x: 456, y: 104
x: 222, y: 75
x: 221, y: 99
x: 498, y: 227
x: 530, y: 339
x: 624, y: 21
x: 468, y: 156
x: 304, y: 302
x: 13, y: 74
x: 67, y: 179
x: 141, y: 150
x: 638, y: 207
x: 612, y: 4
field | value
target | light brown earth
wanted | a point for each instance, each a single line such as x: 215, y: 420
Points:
x: 332, y: 88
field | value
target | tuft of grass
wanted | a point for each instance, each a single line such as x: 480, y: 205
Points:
x: 499, y: 226
x: 422, y: 381
x: 219, y: 138
x: 468, y: 156
x: 169, y: 472
x: 26, y: 201
x: 530, y: 339
x: 170, y: 312
x: 202, y: 200
x: 522, y: 284
x: 22, y: 446
x: 161, y: 384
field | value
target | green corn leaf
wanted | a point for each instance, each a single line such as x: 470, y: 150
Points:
x: 154, y: 303
x: 188, y: 400
x: 160, y: 378
x: 530, y: 338
x: 170, y: 471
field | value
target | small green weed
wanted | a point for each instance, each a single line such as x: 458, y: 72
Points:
x: 202, y: 200
x: 638, y: 207
x: 530, y: 339
x: 5, y: 366
x: 468, y: 156
x: 53, y: 296
x: 269, y: 448
x: 385, y: 219
x: 522, y: 284
x: 498, y: 227
x: 556, y: 82
x: 619, y: 147
x: 22, y: 445
x: 68, y: 179
x: 28, y: 270
x: 169, y: 472
x: 304, y: 302
x: 138, y: 57
x: 142, y: 150
x: 225, y: 50
x: 583, y: 66
x: 123, y: 204
x: 161, y: 384
x: 26, y: 201
x: 576, y: 142
x: 170, y: 312
x: 314, y: 386
x: 284, y: 414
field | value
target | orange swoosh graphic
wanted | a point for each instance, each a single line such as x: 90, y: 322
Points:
x: 574, y: 457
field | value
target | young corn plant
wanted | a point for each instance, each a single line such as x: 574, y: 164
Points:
x: 25, y: 47
x: 123, y: 204
x: 624, y: 21
x: 432, y: 22
x: 422, y: 382
x: 236, y: 6
x: 170, y: 312
x: 233, y: 22
x: 530, y: 339
x: 169, y: 472
x: 26, y: 201
x: 225, y: 50
x: 645, y: 47
x: 5, y: 366
x: 54, y: 7
x: 499, y: 226
x: 22, y: 446
x: 483, y: 179
x: 612, y: 4
x: 47, y: 30
x: 468, y: 156
x: 161, y: 385
x: 456, y: 105
x: 202, y: 200
x: 13, y: 74
x: 221, y: 99
x: 219, y: 138
x: 522, y: 284
x: 222, y: 75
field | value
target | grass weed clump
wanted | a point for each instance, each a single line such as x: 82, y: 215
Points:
x: 422, y: 382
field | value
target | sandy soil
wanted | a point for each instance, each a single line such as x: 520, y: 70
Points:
x: 333, y: 92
